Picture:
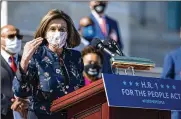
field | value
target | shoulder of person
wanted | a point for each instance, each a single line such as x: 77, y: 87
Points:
x: 174, y: 53
x: 111, y: 19
x: 177, y: 51
x: 73, y: 52
x: 91, y: 16
x: 73, y: 56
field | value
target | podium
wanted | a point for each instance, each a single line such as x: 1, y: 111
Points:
x: 90, y: 102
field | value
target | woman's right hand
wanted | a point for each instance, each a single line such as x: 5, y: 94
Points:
x: 29, y: 49
x: 20, y: 105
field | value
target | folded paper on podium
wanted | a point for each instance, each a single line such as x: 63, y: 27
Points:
x: 134, y: 62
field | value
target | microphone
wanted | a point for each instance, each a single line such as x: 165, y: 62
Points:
x: 99, y: 45
x: 113, y: 46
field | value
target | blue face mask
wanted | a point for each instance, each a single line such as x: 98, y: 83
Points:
x: 88, y: 32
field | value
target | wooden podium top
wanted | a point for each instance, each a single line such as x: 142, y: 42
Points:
x: 77, y: 96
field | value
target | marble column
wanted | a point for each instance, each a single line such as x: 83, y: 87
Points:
x: 4, y: 13
x: 120, y: 11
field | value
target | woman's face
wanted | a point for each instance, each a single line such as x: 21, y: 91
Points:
x: 91, y: 58
x: 92, y: 66
x: 57, y: 25
x: 56, y: 34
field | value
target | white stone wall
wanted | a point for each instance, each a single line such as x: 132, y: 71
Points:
x: 27, y: 15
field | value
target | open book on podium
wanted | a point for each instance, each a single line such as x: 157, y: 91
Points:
x: 136, y: 63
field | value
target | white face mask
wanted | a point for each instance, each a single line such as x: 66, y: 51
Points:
x: 13, y: 45
x: 57, y: 39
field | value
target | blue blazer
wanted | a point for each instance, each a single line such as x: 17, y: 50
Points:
x: 172, y: 70
x: 110, y: 25
x: 172, y: 65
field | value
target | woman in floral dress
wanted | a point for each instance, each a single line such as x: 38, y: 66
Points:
x: 50, y: 68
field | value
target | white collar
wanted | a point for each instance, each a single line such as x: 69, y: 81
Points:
x: 97, y: 16
x: 6, y: 56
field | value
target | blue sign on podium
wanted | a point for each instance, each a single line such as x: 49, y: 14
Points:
x: 142, y: 92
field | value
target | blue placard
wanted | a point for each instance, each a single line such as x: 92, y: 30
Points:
x: 142, y: 92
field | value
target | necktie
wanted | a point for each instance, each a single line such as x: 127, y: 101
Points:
x: 103, y: 26
x: 13, y: 64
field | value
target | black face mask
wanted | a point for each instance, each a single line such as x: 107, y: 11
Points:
x: 100, y: 8
x: 92, y: 70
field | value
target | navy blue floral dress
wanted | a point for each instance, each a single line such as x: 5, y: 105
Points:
x: 49, y: 77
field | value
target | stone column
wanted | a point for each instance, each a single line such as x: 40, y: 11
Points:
x: 4, y: 13
x: 126, y: 28
x: 120, y: 11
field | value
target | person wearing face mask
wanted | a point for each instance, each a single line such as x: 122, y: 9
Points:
x: 86, y: 32
x: 10, y: 47
x: 86, y: 28
x: 104, y: 27
x: 172, y: 70
x: 50, y: 68
x: 93, y: 61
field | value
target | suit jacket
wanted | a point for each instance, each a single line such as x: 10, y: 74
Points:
x: 172, y: 65
x: 172, y: 70
x: 7, y: 76
x: 110, y: 26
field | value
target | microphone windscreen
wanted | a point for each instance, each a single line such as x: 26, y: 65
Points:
x: 106, y: 42
x: 95, y: 42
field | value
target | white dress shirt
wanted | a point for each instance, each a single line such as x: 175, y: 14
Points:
x: 98, y: 17
x: 6, y: 56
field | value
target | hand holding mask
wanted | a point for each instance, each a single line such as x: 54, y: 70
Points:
x: 29, y: 49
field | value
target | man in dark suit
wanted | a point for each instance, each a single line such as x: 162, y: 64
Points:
x: 172, y: 70
x: 10, y: 47
x: 105, y: 27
